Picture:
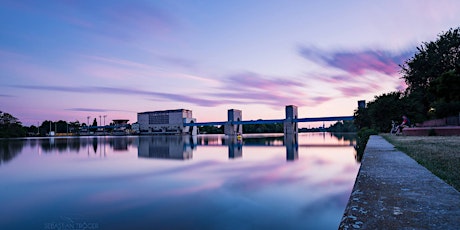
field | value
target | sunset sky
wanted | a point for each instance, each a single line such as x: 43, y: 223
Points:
x: 66, y: 60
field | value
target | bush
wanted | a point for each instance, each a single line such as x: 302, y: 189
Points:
x: 361, y: 141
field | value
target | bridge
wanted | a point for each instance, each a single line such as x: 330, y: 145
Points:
x: 272, y: 121
x: 233, y: 126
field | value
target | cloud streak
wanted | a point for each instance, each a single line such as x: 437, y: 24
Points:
x: 357, y: 63
x: 95, y: 110
x: 252, y: 88
x: 360, y: 72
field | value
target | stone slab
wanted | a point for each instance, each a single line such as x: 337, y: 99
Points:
x: 392, y: 191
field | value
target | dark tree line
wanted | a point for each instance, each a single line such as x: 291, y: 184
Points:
x: 10, y: 126
x: 252, y: 128
x: 342, y: 127
x: 433, y: 79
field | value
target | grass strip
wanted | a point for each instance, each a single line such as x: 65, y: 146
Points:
x: 439, y: 154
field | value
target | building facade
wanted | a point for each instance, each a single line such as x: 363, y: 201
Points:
x: 166, y: 122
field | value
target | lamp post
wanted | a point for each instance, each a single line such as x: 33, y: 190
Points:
x: 104, y: 122
x: 87, y: 124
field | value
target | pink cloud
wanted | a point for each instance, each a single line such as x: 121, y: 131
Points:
x: 248, y: 87
x: 357, y: 63
x: 353, y: 91
x: 364, y: 70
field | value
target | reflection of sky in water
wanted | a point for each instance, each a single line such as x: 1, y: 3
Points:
x: 113, y: 182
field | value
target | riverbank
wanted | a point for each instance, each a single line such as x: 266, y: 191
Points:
x: 393, y: 191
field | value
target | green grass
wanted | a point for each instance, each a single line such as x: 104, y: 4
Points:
x: 440, y: 155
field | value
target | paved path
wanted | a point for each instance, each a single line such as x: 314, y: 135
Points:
x: 392, y: 191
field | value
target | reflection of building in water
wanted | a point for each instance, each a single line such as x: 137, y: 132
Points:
x: 292, y: 146
x: 166, y: 122
x: 235, y: 147
x: 120, y: 143
x: 168, y: 147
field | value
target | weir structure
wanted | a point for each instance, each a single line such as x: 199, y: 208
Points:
x: 234, y: 124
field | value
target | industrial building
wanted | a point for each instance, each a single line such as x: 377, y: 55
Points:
x: 166, y: 122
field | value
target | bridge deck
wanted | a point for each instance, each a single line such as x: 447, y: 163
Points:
x: 272, y: 121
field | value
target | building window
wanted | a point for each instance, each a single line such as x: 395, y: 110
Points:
x: 158, y: 118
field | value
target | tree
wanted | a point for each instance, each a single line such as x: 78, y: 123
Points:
x: 94, y: 122
x: 210, y: 129
x: 430, y: 72
x: 74, y: 127
x: 10, y: 126
x: 384, y: 109
x: 46, y: 127
x: 342, y: 127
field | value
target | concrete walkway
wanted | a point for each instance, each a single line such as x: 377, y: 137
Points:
x: 392, y: 191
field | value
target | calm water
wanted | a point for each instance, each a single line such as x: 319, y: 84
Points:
x: 204, y: 182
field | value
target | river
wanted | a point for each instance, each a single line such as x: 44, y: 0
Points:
x: 264, y: 181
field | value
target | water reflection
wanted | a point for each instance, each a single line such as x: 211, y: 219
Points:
x: 235, y: 147
x: 9, y: 149
x: 217, y: 187
x: 170, y: 147
x: 291, y: 141
x: 181, y: 147
x: 166, y: 147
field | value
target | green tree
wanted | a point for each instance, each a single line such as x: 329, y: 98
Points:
x: 211, y: 129
x: 361, y: 118
x: 384, y: 109
x: 342, y: 127
x: 430, y: 72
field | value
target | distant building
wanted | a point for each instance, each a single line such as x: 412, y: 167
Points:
x: 121, y: 127
x: 166, y: 122
x: 135, y: 128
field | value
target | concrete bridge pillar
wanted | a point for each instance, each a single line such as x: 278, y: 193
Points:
x: 234, y: 129
x: 361, y: 104
x: 290, y: 125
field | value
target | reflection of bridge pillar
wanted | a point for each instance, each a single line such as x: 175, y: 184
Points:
x: 234, y: 129
x: 235, y: 147
x: 292, y: 146
x: 290, y: 126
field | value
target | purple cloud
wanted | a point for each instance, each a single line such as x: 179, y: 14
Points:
x: 127, y: 91
x: 356, y: 63
x: 252, y: 88
x: 365, y: 71
x: 353, y: 91
x: 94, y: 110
x: 255, y: 81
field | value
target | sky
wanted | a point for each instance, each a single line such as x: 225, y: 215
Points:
x: 67, y: 60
